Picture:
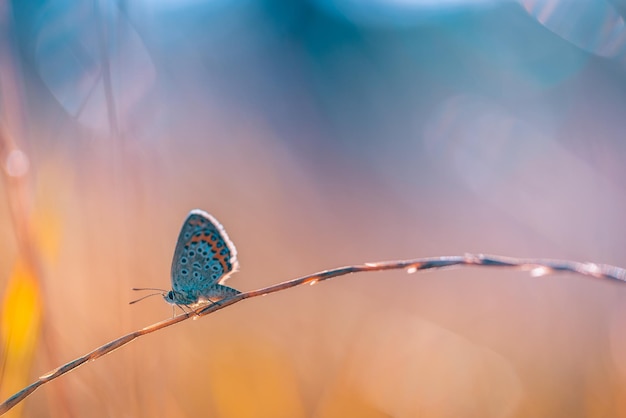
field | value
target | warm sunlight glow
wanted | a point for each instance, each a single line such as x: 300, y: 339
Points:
x: 539, y: 271
x: 17, y: 163
x: 593, y: 268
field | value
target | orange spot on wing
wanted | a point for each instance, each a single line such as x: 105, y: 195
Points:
x: 197, y: 239
x: 222, y: 261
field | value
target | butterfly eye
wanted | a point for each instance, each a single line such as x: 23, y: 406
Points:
x: 170, y: 295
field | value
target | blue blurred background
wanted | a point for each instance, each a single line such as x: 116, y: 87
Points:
x: 321, y: 133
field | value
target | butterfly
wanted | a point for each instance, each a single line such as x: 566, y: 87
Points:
x: 204, y: 259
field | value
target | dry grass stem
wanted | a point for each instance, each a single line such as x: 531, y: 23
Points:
x: 537, y: 267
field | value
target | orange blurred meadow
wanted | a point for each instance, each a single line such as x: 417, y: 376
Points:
x: 320, y: 134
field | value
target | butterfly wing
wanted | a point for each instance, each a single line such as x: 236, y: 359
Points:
x: 204, y: 256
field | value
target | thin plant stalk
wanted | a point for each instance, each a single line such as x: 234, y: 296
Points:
x: 536, y: 267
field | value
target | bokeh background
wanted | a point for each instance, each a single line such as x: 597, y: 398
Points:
x: 321, y: 133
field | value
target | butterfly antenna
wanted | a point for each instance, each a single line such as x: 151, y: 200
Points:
x: 144, y: 297
x: 149, y: 288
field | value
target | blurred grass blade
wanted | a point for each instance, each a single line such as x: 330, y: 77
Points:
x: 20, y: 322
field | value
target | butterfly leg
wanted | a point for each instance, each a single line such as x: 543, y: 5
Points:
x: 180, y: 307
